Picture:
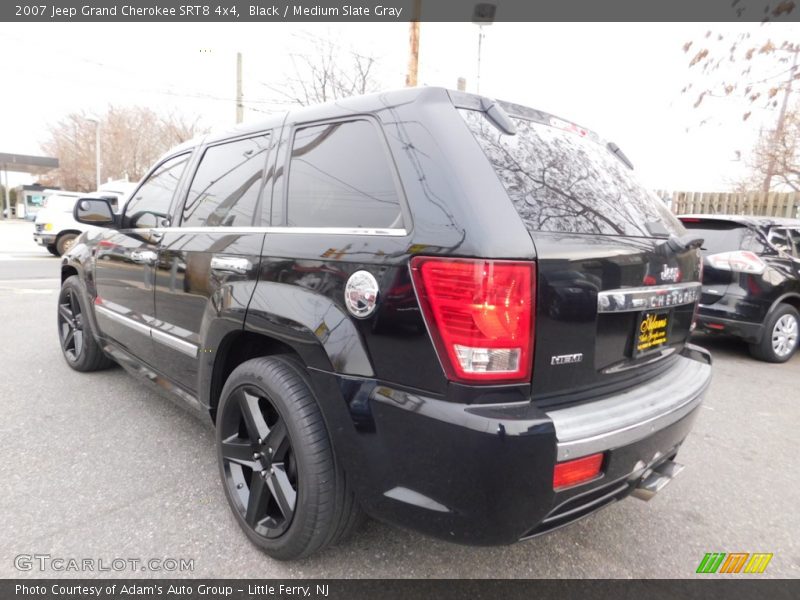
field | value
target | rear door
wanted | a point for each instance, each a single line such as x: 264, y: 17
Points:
x: 125, y: 261
x: 207, y: 266
x: 614, y: 298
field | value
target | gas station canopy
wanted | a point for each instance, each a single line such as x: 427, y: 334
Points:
x: 22, y: 163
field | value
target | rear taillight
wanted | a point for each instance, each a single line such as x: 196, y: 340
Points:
x: 577, y: 471
x: 700, y: 263
x: 741, y: 261
x: 480, y: 314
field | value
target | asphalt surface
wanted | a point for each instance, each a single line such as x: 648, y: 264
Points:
x: 97, y: 466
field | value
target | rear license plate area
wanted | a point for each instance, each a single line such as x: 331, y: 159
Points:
x: 652, y: 332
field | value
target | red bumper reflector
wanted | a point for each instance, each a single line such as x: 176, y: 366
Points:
x: 577, y: 471
x: 715, y: 326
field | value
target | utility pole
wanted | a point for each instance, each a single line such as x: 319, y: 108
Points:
x: 413, y: 39
x: 96, y: 151
x: 6, y: 197
x: 239, y: 106
x: 483, y: 14
x: 480, y: 43
x: 781, y: 123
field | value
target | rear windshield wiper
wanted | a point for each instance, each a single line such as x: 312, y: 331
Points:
x: 617, y: 151
x: 677, y: 245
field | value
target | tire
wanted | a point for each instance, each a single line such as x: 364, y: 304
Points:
x: 51, y: 248
x: 75, y: 333
x: 780, y: 338
x: 276, y: 462
x: 64, y: 243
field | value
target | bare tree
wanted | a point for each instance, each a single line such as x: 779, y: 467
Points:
x: 131, y: 138
x: 326, y: 72
x: 752, y: 67
x: 777, y: 156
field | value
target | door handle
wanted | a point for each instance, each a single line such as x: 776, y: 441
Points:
x: 143, y: 257
x: 231, y: 264
x: 156, y: 235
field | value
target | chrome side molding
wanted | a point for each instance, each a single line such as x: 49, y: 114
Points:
x: 379, y: 231
x: 173, y: 342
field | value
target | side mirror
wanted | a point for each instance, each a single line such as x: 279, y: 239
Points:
x: 94, y: 211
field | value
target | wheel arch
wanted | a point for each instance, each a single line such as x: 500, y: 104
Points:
x: 68, y: 271
x: 235, y: 348
x: 790, y: 298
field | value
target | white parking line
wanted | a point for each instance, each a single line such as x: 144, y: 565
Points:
x: 31, y: 280
x: 25, y: 257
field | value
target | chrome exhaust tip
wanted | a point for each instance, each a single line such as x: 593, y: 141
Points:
x: 656, y: 480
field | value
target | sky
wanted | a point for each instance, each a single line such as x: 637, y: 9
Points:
x: 623, y: 81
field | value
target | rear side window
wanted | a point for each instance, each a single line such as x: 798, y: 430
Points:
x: 150, y: 204
x: 340, y: 176
x: 779, y: 238
x: 794, y: 236
x: 561, y: 181
x: 724, y: 236
x: 225, y: 188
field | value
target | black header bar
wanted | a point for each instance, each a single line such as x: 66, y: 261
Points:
x: 396, y: 589
x: 275, y: 11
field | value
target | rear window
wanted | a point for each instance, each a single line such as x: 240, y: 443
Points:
x: 721, y: 236
x: 561, y: 181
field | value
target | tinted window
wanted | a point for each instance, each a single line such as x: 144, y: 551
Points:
x: 794, y: 235
x: 152, y: 200
x: 779, y: 238
x: 340, y: 176
x: 563, y: 181
x: 224, y: 191
x: 723, y: 236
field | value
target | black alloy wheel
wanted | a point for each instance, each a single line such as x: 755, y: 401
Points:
x: 259, y: 466
x: 78, y: 344
x: 279, y: 472
x: 70, y: 324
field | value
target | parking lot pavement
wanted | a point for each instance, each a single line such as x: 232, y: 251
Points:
x: 97, y: 466
x: 20, y: 256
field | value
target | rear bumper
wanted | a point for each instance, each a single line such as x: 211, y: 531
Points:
x: 635, y: 414
x: 746, y: 330
x: 735, y: 314
x: 482, y: 474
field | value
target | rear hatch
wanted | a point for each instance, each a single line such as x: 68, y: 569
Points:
x: 722, y: 238
x: 614, y: 298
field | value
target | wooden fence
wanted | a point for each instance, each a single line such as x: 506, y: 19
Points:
x: 773, y: 204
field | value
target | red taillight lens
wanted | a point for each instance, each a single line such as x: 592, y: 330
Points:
x: 480, y: 315
x: 577, y: 471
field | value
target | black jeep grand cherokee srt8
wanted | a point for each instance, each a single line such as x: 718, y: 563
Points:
x: 457, y: 315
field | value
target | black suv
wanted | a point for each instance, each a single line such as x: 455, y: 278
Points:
x: 751, y: 281
x: 453, y: 314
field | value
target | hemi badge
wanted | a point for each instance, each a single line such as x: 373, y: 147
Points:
x: 566, y: 359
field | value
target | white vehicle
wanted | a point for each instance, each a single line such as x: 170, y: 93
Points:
x: 54, y: 227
